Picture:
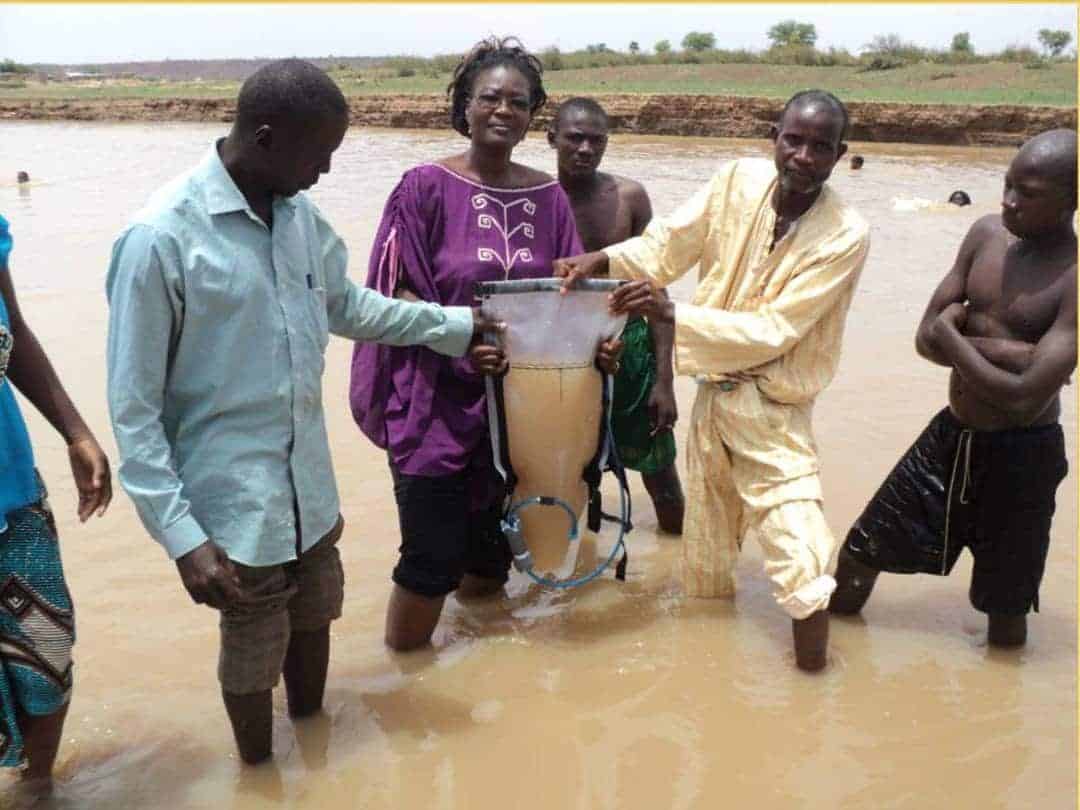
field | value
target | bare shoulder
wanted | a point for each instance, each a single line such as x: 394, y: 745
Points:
x: 630, y: 189
x: 632, y: 193
x: 986, y: 227
x: 986, y: 237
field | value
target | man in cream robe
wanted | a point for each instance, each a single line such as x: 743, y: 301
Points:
x: 779, y: 255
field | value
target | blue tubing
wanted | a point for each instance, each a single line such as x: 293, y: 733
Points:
x: 523, y: 560
x: 511, y: 525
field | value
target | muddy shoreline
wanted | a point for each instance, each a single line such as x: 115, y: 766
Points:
x: 687, y: 115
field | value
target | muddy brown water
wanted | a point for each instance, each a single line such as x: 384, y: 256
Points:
x: 612, y: 696
x: 553, y: 432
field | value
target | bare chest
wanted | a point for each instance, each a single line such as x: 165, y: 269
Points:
x: 603, y: 221
x: 1012, y: 296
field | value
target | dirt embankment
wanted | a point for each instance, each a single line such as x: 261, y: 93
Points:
x: 709, y: 116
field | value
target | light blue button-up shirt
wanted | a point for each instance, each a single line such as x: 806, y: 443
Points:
x: 217, y: 331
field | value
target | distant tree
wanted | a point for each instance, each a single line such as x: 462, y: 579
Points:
x: 634, y: 47
x: 699, y: 41
x: 961, y: 43
x: 552, y: 59
x: 11, y: 66
x: 888, y: 51
x: 1054, y: 40
x: 886, y: 43
x: 1018, y: 53
x: 597, y: 47
x: 792, y: 32
x: 663, y: 46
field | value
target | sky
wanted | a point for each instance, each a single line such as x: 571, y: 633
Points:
x: 94, y: 33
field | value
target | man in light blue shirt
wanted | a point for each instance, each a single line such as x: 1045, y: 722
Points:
x: 223, y: 291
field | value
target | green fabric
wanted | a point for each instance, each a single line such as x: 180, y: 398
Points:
x: 630, y: 409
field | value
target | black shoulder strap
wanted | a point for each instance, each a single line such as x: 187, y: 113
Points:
x: 608, y: 455
x: 592, y: 472
x: 616, y: 466
x: 500, y: 438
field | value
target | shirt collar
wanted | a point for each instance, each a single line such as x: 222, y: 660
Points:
x: 222, y: 194
x: 824, y: 201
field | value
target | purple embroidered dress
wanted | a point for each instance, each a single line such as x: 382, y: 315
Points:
x: 440, y: 234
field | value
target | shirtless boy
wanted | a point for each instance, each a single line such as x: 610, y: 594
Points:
x: 609, y: 209
x: 984, y: 473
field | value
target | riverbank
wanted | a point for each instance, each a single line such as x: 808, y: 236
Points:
x: 641, y: 114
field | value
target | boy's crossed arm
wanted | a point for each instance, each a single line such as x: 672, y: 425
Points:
x: 1007, y: 354
x: 1027, y: 393
x: 1020, y: 377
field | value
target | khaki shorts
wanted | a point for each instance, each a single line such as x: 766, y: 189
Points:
x: 303, y: 595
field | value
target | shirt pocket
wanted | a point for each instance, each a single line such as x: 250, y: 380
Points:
x: 217, y: 288
x: 319, y: 317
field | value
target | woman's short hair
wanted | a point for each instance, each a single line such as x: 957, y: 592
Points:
x: 489, y: 53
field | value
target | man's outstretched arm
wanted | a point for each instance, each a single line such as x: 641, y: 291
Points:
x: 719, y: 341
x: 360, y: 313
x: 665, y: 251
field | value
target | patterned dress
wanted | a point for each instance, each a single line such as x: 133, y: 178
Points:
x: 441, y: 234
x: 37, y: 622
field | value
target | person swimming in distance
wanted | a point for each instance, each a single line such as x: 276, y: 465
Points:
x: 960, y: 198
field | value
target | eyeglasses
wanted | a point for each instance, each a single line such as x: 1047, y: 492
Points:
x: 491, y: 101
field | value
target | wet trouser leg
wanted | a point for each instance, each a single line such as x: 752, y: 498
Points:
x: 854, y: 583
x: 752, y: 468
x: 800, y: 555
x: 713, y: 510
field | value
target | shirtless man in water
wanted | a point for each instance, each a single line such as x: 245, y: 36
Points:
x: 610, y: 209
x: 984, y: 473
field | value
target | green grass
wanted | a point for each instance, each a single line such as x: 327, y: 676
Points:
x: 993, y: 83
x: 926, y: 83
x: 85, y: 91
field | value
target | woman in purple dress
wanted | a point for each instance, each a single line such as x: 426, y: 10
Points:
x: 476, y: 216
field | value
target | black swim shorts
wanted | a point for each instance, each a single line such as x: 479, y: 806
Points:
x: 444, y: 536
x: 989, y: 491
